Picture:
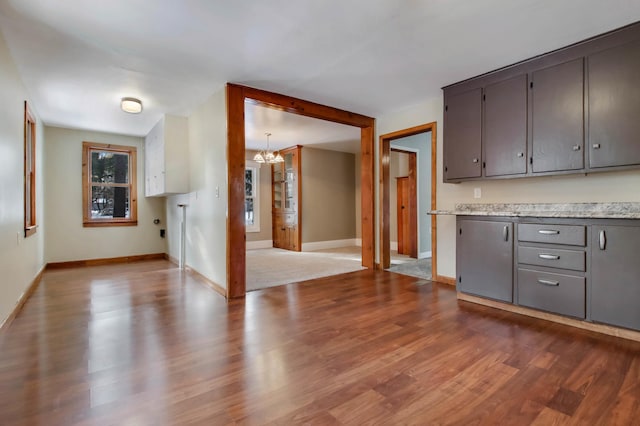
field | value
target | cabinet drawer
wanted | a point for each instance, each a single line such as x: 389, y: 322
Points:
x: 562, y: 294
x: 573, y: 235
x: 553, y: 258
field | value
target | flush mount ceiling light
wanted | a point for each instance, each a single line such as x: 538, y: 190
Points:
x: 131, y: 105
x: 268, y: 156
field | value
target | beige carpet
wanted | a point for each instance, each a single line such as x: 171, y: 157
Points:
x: 272, y: 267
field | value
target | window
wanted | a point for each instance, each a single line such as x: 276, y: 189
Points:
x: 251, y: 197
x: 109, y: 193
x: 29, y: 172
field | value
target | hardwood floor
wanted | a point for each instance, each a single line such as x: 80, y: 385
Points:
x: 145, y: 344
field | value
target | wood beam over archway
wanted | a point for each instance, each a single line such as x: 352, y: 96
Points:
x: 237, y: 95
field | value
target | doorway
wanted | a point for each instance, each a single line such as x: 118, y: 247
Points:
x: 236, y: 97
x: 385, y: 144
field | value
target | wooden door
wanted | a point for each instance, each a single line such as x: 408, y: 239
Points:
x: 407, y: 215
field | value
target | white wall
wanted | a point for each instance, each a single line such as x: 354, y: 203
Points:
x: 598, y: 187
x: 20, y: 258
x: 65, y: 238
x: 206, y: 247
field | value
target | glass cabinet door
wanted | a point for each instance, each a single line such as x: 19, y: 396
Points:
x: 277, y: 186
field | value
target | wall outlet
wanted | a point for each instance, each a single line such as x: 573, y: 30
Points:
x: 477, y: 193
x: 217, y: 192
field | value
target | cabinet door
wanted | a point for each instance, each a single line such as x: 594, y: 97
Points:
x: 558, y: 117
x: 614, y: 106
x: 462, y: 133
x: 505, y: 127
x: 484, y: 259
x: 615, y: 276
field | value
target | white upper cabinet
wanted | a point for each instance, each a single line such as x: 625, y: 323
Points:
x: 167, y: 157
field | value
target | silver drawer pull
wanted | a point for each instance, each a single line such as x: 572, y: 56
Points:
x: 549, y: 256
x: 576, y: 147
x: 596, y: 146
x: 548, y: 232
x: 475, y: 160
x: 548, y: 282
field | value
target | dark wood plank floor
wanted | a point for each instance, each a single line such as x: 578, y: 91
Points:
x: 143, y: 344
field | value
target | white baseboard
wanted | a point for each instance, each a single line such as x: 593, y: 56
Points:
x: 393, y: 245
x: 323, y: 245
x: 252, y: 245
x: 425, y: 255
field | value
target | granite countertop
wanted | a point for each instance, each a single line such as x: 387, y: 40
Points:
x: 577, y: 210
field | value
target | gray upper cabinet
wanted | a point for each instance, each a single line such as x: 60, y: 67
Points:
x: 484, y: 258
x: 615, y: 286
x: 462, y: 125
x: 614, y: 106
x: 558, y: 117
x: 505, y: 127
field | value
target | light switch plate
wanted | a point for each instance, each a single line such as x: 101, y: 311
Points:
x: 477, y: 193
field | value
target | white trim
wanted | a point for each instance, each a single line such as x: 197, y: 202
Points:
x: 425, y: 255
x: 393, y: 245
x: 323, y: 245
x: 261, y: 244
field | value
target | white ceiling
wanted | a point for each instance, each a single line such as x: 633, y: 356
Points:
x: 78, y: 58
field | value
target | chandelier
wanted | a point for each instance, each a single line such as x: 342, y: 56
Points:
x: 267, y: 156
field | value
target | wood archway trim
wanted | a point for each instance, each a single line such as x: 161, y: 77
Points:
x: 237, y: 95
x: 385, y: 152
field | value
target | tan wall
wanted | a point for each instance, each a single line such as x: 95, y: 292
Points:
x: 66, y: 239
x: 265, y: 202
x: 20, y: 258
x: 598, y: 187
x: 328, y: 193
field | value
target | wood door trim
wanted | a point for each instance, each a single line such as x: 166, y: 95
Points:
x: 385, y: 150
x: 237, y: 95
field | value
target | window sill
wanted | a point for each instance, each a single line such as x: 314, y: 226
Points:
x: 30, y: 230
x: 102, y: 223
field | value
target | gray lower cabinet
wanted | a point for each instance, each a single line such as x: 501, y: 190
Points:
x: 484, y: 258
x: 614, y: 106
x: 615, y: 275
x: 558, y: 293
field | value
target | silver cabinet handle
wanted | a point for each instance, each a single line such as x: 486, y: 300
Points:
x: 596, y: 146
x: 548, y: 232
x: 520, y: 154
x: 505, y: 232
x: 548, y: 282
x: 576, y: 147
x: 549, y: 256
x: 475, y: 160
x: 602, y: 240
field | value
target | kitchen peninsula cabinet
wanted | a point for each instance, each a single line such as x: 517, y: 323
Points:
x: 614, y: 106
x: 484, y: 258
x: 558, y: 111
x: 576, y: 264
x: 462, y: 123
x: 615, y: 275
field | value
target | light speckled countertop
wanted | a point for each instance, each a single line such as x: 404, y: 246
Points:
x: 577, y: 210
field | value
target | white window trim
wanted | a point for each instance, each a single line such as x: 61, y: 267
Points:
x: 255, y: 167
